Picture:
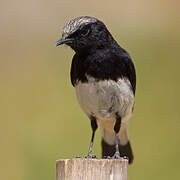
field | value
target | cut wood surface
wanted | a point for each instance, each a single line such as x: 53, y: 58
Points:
x: 92, y: 169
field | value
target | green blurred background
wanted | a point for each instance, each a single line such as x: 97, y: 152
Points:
x: 40, y: 117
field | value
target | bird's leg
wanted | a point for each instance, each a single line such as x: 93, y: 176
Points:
x: 94, y: 127
x: 116, y: 129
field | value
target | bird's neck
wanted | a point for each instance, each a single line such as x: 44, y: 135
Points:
x: 98, y: 47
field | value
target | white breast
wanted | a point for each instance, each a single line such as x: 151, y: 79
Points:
x: 103, y: 99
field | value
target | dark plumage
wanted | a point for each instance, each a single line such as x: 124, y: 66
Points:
x: 105, y: 80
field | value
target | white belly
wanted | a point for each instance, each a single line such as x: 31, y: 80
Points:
x: 103, y: 99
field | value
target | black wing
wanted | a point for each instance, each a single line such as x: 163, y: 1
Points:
x: 131, y: 73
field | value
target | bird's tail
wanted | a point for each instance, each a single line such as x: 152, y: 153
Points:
x: 108, y: 144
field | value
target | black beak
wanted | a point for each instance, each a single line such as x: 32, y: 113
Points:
x: 63, y: 41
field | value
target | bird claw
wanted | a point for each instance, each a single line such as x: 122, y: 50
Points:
x: 116, y: 156
x: 78, y: 157
x: 90, y: 156
x: 125, y: 157
x: 107, y: 157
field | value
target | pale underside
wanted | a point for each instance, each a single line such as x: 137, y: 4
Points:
x: 104, y: 100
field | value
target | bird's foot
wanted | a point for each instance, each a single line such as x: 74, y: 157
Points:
x: 107, y: 157
x: 116, y: 156
x: 78, y: 157
x: 125, y: 157
x: 90, y: 156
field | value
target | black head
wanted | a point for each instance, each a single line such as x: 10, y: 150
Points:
x: 85, y: 33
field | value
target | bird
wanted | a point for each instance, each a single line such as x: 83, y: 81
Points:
x: 104, y: 77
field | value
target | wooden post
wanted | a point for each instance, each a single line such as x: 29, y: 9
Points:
x: 92, y: 169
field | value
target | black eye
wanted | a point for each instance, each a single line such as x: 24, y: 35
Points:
x: 85, y: 32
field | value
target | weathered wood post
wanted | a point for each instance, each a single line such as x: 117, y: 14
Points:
x: 92, y: 169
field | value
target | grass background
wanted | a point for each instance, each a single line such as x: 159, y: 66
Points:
x: 40, y: 120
